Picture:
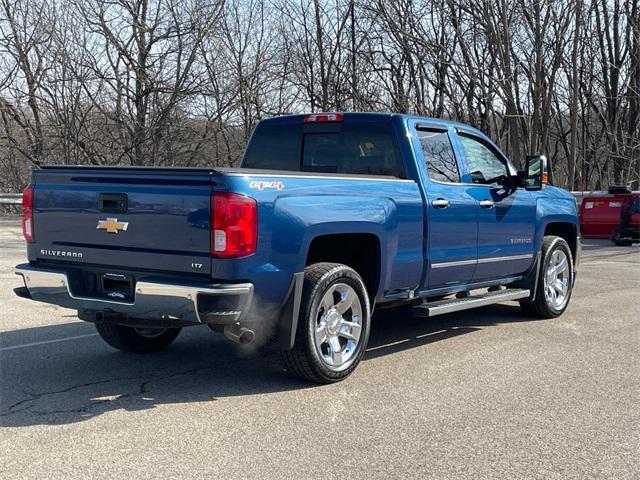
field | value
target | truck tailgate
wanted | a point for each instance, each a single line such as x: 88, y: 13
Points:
x: 150, y: 219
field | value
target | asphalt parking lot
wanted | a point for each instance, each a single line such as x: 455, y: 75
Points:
x: 487, y: 393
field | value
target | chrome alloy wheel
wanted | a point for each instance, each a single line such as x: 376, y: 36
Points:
x: 338, y: 326
x: 556, y: 280
x: 148, y: 332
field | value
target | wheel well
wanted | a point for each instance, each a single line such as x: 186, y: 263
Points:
x: 567, y: 231
x: 360, y: 251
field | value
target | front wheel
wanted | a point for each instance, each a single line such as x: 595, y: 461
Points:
x: 555, y: 280
x: 333, y: 325
x: 138, y: 340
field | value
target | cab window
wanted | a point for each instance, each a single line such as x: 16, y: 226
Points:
x: 483, y: 164
x: 358, y: 148
x: 274, y: 147
x: 439, y: 156
x: 365, y: 148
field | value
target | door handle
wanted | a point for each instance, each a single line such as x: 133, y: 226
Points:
x: 440, y: 203
x: 486, y: 203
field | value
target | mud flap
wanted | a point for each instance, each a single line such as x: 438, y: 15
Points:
x: 287, y: 316
x: 530, y: 281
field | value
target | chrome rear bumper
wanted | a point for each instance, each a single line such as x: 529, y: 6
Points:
x: 152, y: 300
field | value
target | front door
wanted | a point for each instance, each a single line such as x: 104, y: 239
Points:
x: 452, y: 214
x: 506, y: 221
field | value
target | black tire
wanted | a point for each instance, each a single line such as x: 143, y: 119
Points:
x: 303, y: 360
x: 541, y: 306
x: 130, y: 339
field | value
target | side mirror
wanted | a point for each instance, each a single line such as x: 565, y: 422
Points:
x: 536, y: 175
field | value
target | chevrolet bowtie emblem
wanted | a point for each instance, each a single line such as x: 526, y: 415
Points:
x: 112, y: 225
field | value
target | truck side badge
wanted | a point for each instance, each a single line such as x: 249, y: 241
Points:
x: 264, y: 185
x: 112, y: 225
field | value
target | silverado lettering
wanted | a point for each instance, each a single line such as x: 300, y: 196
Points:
x: 60, y: 253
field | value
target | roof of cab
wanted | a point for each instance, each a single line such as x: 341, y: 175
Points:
x: 372, y: 117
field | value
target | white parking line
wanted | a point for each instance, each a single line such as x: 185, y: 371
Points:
x: 35, y: 344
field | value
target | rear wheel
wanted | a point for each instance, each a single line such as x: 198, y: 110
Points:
x: 134, y: 339
x: 333, y: 326
x: 555, y: 280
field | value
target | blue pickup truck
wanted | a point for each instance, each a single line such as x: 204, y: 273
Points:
x: 329, y: 216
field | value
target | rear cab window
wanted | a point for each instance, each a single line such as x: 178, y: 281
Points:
x: 356, y: 148
x: 274, y: 147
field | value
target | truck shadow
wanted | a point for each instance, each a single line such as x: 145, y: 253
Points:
x: 72, y: 381
x: 396, y: 330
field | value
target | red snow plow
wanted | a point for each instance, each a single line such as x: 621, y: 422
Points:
x: 614, y: 215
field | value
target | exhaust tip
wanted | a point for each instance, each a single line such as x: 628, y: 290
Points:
x: 238, y: 334
x: 246, y: 336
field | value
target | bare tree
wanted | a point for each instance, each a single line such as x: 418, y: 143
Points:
x: 185, y: 81
x: 26, y: 33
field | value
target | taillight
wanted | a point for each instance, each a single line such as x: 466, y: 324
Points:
x: 234, y: 225
x: 322, y: 117
x: 27, y: 213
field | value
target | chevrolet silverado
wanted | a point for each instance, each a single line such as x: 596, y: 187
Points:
x: 329, y: 216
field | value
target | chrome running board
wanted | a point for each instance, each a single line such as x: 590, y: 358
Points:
x: 450, y: 305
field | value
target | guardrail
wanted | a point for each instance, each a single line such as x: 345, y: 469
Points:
x: 10, y: 199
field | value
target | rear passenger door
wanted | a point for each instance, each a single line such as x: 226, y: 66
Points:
x: 452, y: 213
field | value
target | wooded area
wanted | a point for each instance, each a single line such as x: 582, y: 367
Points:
x: 183, y: 82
